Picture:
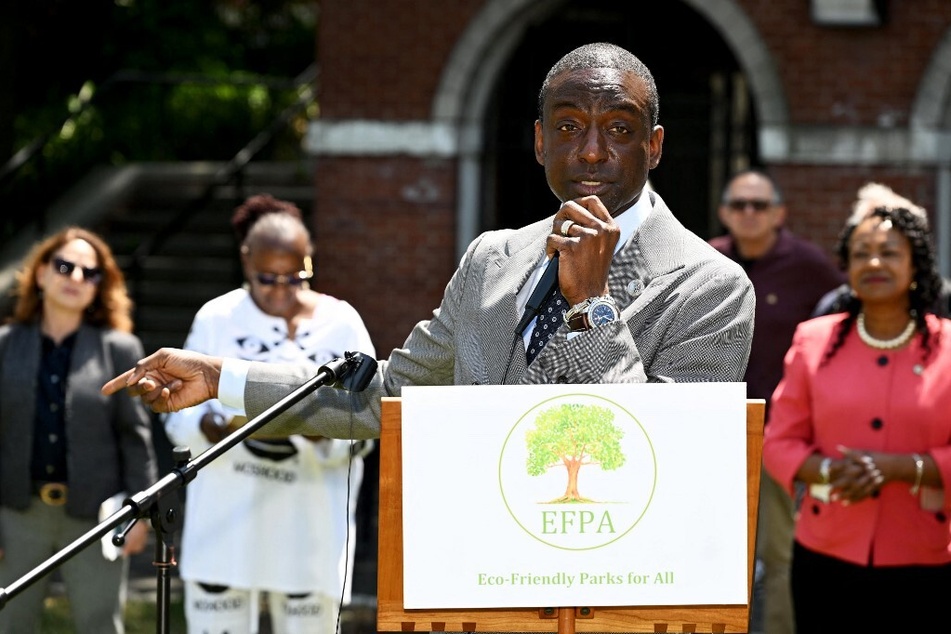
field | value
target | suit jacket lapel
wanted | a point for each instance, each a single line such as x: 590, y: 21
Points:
x: 22, y: 359
x: 507, y: 271
x: 653, y: 251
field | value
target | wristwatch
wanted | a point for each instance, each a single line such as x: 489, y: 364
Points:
x: 592, y: 312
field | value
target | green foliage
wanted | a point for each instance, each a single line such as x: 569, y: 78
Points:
x: 140, y: 616
x: 224, y: 41
x: 160, y: 81
x: 583, y: 434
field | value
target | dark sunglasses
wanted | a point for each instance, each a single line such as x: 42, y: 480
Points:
x: 273, y: 279
x: 739, y: 204
x: 93, y: 275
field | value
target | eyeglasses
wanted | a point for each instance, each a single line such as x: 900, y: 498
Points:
x: 273, y: 279
x: 91, y: 274
x: 740, y: 204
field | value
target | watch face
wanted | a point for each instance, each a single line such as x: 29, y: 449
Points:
x: 602, y: 314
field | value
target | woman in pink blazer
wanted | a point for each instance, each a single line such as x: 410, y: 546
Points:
x: 862, y: 417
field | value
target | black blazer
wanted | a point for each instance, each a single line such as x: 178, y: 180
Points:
x: 109, y: 438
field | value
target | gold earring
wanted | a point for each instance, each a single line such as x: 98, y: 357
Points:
x: 913, y: 286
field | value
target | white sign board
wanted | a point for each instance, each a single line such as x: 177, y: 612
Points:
x: 574, y: 495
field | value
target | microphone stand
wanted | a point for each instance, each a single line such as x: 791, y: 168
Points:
x: 165, y: 511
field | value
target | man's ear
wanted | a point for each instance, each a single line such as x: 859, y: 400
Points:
x: 539, y: 143
x: 656, y: 144
x: 722, y: 214
x: 780, y: 215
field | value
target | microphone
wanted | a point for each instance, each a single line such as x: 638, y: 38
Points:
x: 353, y: 372
x: 546, y: 285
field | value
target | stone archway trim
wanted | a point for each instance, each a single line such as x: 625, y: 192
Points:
x: 459, y: 103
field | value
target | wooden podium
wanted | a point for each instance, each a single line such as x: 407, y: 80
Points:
x: 392, y: 617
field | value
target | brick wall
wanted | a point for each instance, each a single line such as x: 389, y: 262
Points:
x: 393, y: 53
x: 385, y: 239
x: 819, y: 198
x: 840, y: 76
x: 394, y: 217
x: 850, y: 76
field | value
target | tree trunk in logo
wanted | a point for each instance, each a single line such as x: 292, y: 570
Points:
x: 574, y: 435
x: 571, y: 493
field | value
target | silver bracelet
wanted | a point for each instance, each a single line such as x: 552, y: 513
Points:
x: 919, y: 471
x: 824, y: 470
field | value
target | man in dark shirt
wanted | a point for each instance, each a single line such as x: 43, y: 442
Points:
x: 789, y: 277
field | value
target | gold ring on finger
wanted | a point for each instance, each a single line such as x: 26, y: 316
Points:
x: 566, y: 226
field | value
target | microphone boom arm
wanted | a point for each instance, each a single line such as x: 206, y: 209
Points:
x: 353, y: 372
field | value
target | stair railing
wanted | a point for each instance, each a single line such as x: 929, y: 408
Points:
x: 16, y: 219
x: 231, y: 173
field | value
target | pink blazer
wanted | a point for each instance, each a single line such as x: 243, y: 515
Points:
x: 889, y: 401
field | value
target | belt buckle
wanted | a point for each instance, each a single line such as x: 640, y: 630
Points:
x: 53, y: 493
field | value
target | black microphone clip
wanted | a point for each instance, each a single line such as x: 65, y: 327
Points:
x: 353, y: 372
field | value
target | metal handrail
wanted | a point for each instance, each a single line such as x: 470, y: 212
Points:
x: 232, y: 169
x: 303, y: 83
x: 231, y: 172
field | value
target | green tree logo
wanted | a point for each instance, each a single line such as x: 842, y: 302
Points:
x: 577, y: 471
x: 572, y: 436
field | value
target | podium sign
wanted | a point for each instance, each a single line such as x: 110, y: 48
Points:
x: 594, y: 495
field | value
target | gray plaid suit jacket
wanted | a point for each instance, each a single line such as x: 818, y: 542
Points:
x: 686, y: 316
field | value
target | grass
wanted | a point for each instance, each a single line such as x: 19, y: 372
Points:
x: 141, y: 613
x: 140, y: 616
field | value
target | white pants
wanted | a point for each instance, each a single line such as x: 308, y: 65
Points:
x: 236, y: 611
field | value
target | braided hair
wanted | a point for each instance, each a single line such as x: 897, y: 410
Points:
x: 926, y: 282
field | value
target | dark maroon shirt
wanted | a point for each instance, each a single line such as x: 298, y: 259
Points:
x: 788, y: 281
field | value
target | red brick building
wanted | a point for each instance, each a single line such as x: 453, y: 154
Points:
x: 426, y: 112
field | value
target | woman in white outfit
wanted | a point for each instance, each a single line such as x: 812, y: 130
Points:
x: 270, y: 516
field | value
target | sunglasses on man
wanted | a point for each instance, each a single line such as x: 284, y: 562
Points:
x: 740, y: 204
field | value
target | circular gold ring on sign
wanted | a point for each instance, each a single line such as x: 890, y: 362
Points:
x: 566, y: 226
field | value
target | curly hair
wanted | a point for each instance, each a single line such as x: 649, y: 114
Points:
x: 111, y: 307
x: 246, y: 214
x: 926, y: 283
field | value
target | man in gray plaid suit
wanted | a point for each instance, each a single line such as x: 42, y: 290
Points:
x: 643, y: 298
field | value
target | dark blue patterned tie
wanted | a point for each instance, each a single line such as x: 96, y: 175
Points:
x: 550, y: 317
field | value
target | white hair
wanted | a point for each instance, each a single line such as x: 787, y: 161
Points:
x: 874, y: 195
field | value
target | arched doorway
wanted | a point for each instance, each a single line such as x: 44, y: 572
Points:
x: 705, y: 108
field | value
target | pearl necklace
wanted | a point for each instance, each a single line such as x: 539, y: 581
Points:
x: 887, y: 344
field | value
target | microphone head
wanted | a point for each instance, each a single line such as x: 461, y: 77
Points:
x: 361, y: 372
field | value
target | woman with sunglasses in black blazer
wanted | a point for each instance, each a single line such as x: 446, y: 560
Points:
x: 64, y: 447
